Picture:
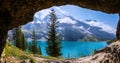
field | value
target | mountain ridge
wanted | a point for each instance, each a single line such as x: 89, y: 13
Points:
x: 69, y: 27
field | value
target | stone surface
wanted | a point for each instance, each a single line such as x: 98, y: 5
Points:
x: 118, y: 29
x: 110, y: 54
x: 18, y: 12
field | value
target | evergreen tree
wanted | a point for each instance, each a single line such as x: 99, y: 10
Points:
x: 53, y: 40
x: 39, y: 50
x: 33, y: 46
x: 13, y: 39
x: 19, y: 38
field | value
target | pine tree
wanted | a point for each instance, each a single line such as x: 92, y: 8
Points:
x: 14, y: 36
x: 23, y: 43
x: 53, y: 40
x: 19, y: 38
x: 33, y: 46
x: 39, y: 50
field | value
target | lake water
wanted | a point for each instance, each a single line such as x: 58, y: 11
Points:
x: 75, y: 49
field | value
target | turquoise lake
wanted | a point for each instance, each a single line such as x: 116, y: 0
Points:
x: 75, y: 49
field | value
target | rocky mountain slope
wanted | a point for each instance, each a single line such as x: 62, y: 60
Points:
x: 70, y: 28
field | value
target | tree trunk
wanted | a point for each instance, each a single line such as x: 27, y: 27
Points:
x: 118, y: 29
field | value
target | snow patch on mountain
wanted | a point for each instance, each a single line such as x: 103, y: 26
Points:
x: 69, y: 27
x: 104, y: 27
x: 88, y: 28
x: 39, y: 22
x: 61, y: 14
x: 82, y: 29
x: 41, y: 14
x: 60, y: 28
x: 60, y: 11
x: 67, y: 21
x: 32, y: 22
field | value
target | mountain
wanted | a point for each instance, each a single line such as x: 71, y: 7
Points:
x: 69, y: 28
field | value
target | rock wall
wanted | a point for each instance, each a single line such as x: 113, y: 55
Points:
x: 118, y: 29
x: 22, y: 11
x: 110, y: 54
x: 18, y: 12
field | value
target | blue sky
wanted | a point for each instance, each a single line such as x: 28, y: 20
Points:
x: 83, y: 13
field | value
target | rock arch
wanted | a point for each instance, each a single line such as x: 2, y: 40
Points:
x: 18, y: 12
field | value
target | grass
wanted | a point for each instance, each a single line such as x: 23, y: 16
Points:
x: 12, y: 51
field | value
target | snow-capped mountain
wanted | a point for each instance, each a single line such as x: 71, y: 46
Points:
x: 69, y: 27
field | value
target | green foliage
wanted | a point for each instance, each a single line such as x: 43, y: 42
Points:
x: 14, y: 51
x: 19, y: 38
x: 39, y: 50
x: 33, y: 46
x: 32, y: 61
x: 33, y: 49
x: 53, y: 40
x: 11, y: 50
